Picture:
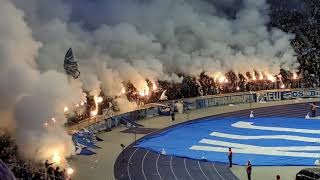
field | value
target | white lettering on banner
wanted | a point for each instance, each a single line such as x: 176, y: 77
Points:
x: 286, y: 95
x: 286, y: 137
x: 297, y: 94
x: 249, y: 125
x: 218, y: 101
x: 273, y: 96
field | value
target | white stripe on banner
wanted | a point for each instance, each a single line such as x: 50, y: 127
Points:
x: 249, y: 125
x: 259, y: 151
x: 286, y: 137
x: 245, y: 146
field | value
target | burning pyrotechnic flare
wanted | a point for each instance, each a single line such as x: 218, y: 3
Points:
x: 254, y: 77
x: 154, y: 86
x: 45, y: 124
x: 56, y: 158
x: 223, y: 79
x: 271, y: 78
x: 77, y: 105
x: 123, y: 90
x: 144, y: 91
x: 295, y: 76
x: 66, y: 109
x: 94, y: 113
x: 261, y: 76
x: 238, y: 88
x: 70, y: 171
x: 99, y: 100
x: 53, y: 119
x: 282, y: 86
x: 82, y: 103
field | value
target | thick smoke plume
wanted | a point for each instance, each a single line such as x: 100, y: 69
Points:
x: 121, y: 41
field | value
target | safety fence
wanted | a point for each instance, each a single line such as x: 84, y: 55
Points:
x: 109, y: 120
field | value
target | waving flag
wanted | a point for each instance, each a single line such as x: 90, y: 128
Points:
x: 71, y: 65
x: 163, y: 96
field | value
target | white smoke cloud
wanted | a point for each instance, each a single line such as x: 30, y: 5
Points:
x: 121, y: 41
x: 30, y: 97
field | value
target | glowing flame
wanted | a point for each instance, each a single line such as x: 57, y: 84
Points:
x: 53, y: 119
x: 144, y: 91
x: 94, y: 113
x: 295, y: 76
x: 154, y: 86
x: 271, y: 78
x: 282, y: 86
x: 82, y: 103
x: 123, y: 90
x: 77, y: 105
x: 254, y: 77
x: 70, y: 171
x: 56, y: 157
x: 99, y: 100
x: 46, y: 124
x: 66, y: 109
x: 238, y: 88
x: 222, y: 79
x: 261, y: 76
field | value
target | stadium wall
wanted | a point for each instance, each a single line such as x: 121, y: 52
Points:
x: 107, y: 121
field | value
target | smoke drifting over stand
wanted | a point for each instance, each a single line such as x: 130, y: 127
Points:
x: 122, y: 41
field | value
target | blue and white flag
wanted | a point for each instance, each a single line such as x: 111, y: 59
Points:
x: 70, y: 65
x: 84, y: 151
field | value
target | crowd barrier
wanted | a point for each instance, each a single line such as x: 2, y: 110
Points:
x: 108, y: 121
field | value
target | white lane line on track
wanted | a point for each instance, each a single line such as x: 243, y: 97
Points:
x: 144, y: 175
x: 172, y: 168
x: 202, y: 171
x: 128, y: 166
x: 158, y: 167
x: 185, y: 166
x: 217, y: 171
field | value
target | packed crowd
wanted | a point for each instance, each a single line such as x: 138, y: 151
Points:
x: 26, y: 169
x: 300, y: 18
